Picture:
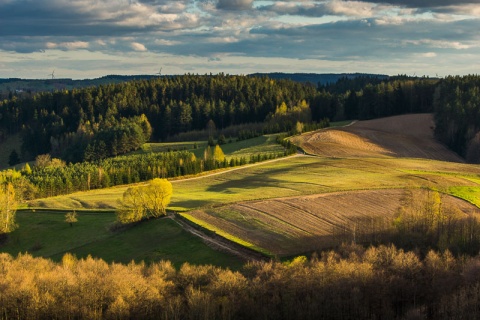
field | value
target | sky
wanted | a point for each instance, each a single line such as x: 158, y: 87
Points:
x: 83, y: 39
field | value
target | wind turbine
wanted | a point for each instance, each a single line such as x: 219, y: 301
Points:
x: 159, y: 72
x: 52, y: 74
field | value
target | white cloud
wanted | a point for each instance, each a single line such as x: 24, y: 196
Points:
x: 75, y: 45
x: 428, y: 55
x: 349, y: 33
x: 439, y: 44
x: 138, y: 46
x: 163, y: 42
x: 351, y: 8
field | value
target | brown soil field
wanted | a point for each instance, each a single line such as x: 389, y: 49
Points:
x: 408, y: 136
x: 288, y: 226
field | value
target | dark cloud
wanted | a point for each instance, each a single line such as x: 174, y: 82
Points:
x: 234, y: 4
x: 90, y: 17
x: 314, y: 10
x: 424, y: 3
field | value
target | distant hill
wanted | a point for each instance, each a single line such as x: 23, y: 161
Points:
x: 318, y: 78
x: 17, y: 85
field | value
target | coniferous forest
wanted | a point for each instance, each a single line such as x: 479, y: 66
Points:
x: 108, y: 120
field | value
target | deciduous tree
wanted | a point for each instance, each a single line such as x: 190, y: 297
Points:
x: 144, y: 202
x: 8, y: 208
x: 71, y: 218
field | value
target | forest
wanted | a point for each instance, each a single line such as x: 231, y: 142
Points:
x: 61, y: 122
x: 352, y: 282
x: 98, y: 122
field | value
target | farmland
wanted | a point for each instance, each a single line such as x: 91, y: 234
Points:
x: 303, y: 203
x: 291, y: 176
x: 289, y: 226
x: 270, y: 204
x: 399, y: 136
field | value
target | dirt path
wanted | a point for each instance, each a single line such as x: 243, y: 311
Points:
x: 219, y: 243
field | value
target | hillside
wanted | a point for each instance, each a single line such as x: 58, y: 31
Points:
x: 289, y: 226
x: 405, y: 136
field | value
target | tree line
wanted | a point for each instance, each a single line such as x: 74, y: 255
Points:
x: 64, y: 120
x: 53, y: 176
x: 351, y: 282
x: 107, y: 120
x: 457, y: 115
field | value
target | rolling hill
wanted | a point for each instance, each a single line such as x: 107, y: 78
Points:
x: 352, y: 186
x: 409, y: 136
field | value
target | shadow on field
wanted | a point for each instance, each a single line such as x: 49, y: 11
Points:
x: 248, y: 182
x: 190, y: 203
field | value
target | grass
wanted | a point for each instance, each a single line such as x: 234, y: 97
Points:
x: 467, y: 193
x: 224, y: 234
x: 286, y: 177
x: 46, y: 234
x: 171, y: 146
x: 245, y: 148
x: 340, y: 123
x: 260, y: 145
x: 292, y: 176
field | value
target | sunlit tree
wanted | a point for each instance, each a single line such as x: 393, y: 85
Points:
x: 144, y: 202
x: 8, y: 208
x: 71, y: 218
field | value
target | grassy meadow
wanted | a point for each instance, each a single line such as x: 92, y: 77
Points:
x: 206, y: 199
x: 46, y: 234
x: 293, y: 176
x: 234, y: 149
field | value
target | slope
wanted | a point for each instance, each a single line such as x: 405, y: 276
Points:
x: 408, y: 136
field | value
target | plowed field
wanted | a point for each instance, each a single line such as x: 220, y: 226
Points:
x: 288, y: 226
x: 408, y: 136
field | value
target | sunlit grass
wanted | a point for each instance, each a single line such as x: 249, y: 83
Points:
x: 468, y: 193
x: 225, y: 235
x: 46, y: 234
x: 291, y: 176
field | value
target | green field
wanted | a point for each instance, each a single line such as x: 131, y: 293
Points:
x: 44, y: 233
x: 293, y: 176
x: 236, y: 149
x: 290, y: 177
x: 285, y: 177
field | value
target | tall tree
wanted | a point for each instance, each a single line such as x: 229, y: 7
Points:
x: 8, y: 208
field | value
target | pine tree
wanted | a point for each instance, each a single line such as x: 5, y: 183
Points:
x: 14, y: 158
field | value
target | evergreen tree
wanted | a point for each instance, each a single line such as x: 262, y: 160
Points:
x: 13, y: 158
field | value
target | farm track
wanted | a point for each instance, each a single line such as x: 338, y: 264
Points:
x: 219, y: 243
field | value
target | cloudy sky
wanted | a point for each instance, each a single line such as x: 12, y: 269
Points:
x: 91, y: 38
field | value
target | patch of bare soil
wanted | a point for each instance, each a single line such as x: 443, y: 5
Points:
x: 293, y: 225
x: 408, y: 136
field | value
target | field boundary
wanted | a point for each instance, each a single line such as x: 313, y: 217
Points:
x: 217, y: 241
